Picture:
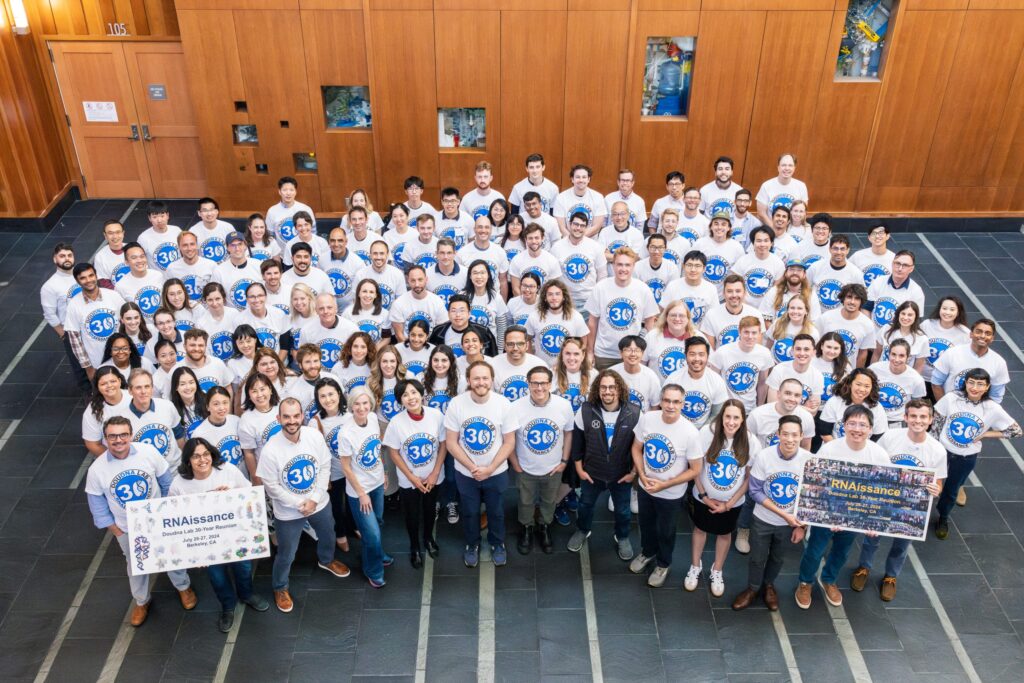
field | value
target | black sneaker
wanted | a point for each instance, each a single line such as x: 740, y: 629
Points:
x: 227, y: 620
x: 941, y: 529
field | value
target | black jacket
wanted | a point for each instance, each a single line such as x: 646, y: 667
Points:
x: 490, y: 346
x: 590, y: 444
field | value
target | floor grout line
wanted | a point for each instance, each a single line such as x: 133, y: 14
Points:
x: 423, y: 640
x: 787, y: 647
x: 596, y: 668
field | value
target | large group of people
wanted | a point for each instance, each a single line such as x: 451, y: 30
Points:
x: 690, y: 358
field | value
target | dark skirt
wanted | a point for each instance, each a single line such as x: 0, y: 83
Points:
x: 718, y: 524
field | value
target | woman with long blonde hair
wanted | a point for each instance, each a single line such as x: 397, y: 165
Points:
x: 666, y: 343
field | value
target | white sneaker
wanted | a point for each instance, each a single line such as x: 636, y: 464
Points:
x: 743, y: 541
x: 717, y: 583
x: 634, y: 504
x: 693, y: 577
x: 657, y: 577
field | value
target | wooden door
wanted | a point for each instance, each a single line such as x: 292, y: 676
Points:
x: 167, y: 121
x: 97, y: 95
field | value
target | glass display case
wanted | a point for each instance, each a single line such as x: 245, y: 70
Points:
x: 244, y: 134
x: 862, y: 47
x: 346, y: 106
x: 305, y: 162
x: 464, y: 127
x: 668, y: 76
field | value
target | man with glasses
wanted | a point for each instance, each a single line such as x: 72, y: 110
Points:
x: 126, y: 472
x: 582, y: 259
x: 854, y: 446
x: 542, y: 452
x: 698, y: 293
x: 693, y: 225
x: 618, y: 307
x: 886, y: 293
x: 675, y: 181
x: 817, y: 248
x: 875, y: 260
x: 620, y: 234
x: 512, y: 367
x: 637, y: 207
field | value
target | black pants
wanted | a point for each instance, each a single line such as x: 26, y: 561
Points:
x: 344, y: 524
x: 81, y: 378
x: 657, y: 517
x: 420, y: 515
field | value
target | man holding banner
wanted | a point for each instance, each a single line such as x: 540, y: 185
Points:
x: 125, y: 472
x: 909, y: 447
x: 853, y: 447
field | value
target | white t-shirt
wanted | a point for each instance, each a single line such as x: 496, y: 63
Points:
x: 857, y: 334
x: 714, y: 199
x: 161, y: 247
x: 612, y: 240
x: 692, y: 228
x: 782, y: 348
x: 902, y: 451
x: 417, y: 442
x: 446, y: 286
x: 295, y: 472
x: 812, y: 379
x: 550, y: 334
x: 644, y: 386
x: 951, y: 367
x: 219, y: 476
x: 573, y: 393
x: 493, y: 255
x: 540, y: 433
x: 701, y: 395
x: 621, y: 311
x: 320, y: 250
x: 636, y: 205
x: 667, y: 450
x: 194, y: 276
x: 759, y: 275
x: 156, y: 428
x: 214, y: 373
x: 941, y: 340
x: 95, y: 321
x: 314, y: 278
x: 477, y: 204
x: 438, y: 396
x: 54, y: 296
x: 145, y: 291
x: 373, y: 324
x: 547, y: 190
x: 873, y: 265
x: 591, y: 203
x: 122, y: 481
x: 510, y: 380
x: 833, y: 411
x: 870, y: 454
x: 724, y: 327
x: 740, y: 370
x: 721, y: 479
x: 773, y: 193
x: 237, y: 280
x: 781, y: 479
x: 810, y: 253
x: 583, y: 265
x: 269, y: 328
x: 763, y: 422
x: 457, y: 229
x: 408, y: 308
x: 656, y: 278
x: 665, y: 355
x: 221, y: 345
x: 280, y: 222
x: 225, y: 438
x: 519, y: 311
x: 544, y: 265
x: 212, y: 243
x: 699, y: 298
x: 895, y: 391
x: 110, y: 266
x: 966, y: 421
x: 92, y: 428
x: 888, y: 298
x: 827, y: 281
x: 722, y: 257
x: 256, y: 428
x: 330, y: 340
x: 481, y: 428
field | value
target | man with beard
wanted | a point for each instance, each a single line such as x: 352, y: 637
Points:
x: 54, y: 296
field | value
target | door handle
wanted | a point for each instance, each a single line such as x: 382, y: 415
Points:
x: 145, y: 133
x: 135, y: 133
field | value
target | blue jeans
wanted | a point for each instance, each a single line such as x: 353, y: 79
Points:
x: 226, y: 593
x: 817, y: 544
x: 369, y: 526
x: 449, y: 489
x: 893, y: 562
x: 746, y: 513
x: 489, y: 491
x: 588, y: 499
x: 958, y: 467
x: 288, y: 534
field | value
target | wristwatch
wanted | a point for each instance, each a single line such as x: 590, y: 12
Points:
x: 702, y: 496
x: 565, y: 462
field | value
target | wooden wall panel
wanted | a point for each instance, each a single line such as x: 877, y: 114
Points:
x: 531, y: 110
x: 792, y: 58
x: 345, y: 156
x: 595, y: 81
x: 975, y: 101
x: 468, y: 56
x: 90, y: 17
x: 1008, y: 151
x: 771, y: 5
x: 405, y: 102
x: 723, y: 91
x: 914, y: 81
x: 654, y: 145
x: 841, y: 131
x: 277, y: 94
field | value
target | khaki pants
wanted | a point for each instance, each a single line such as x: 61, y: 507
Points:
x: 534, y: 489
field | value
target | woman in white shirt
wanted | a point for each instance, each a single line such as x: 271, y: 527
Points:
x: 121, y: 354
x: 134, y: 325
x: 202, y: 470
x: 398, y: 233
x: 187, y: 398
x: 795, y: 321
x: 487, y: 308
x: 176, y: 300
x: 719, y: 491
x: 218, y: 321
x: 259, y: 421
x: 945, y: 328
x: 415, y: 440
x: 109, y: 398
x: 356, y: 360
x: 520, y: 307
x: 166, y: 361
x: 359, y: 449
x: 330, y: 405
x: 300, y: 302
x: 415, y: 350
x: 907, y: 326
x: 261, y: 245
x: 368, y: 312
x: 666, y: 343
x: 359, y: 198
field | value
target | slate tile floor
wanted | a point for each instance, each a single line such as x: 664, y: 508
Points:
x: 342, y: 629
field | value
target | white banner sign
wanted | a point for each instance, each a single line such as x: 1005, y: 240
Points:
x: 100, y: 112
x: 196, y: 530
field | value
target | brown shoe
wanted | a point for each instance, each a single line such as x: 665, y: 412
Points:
x: 336, y: 567
x: 771, y: 598
x: 139, y: 614
x: 283, y: 600
x: 888, y: 589
x: 803, y: 595
x: 483, y: 520
x: 342, y: 544
x: 188, y: 598
x: 833, y: 595
x: 859, y: 578
x: 744, y: 599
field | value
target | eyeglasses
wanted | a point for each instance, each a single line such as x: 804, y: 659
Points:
x: 515, y: 345
x: 902, y: 264
x: 119, y: 437
x: 540, y: 384
x: 201, y: 456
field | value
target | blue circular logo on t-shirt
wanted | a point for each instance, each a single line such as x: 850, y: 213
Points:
x: 891, y: 396
x: 828, y: 293
x: 478, y: 435
x: 671, y: 359
x: 101, y: 323
x: 540, y: 436
x: 446, y: 292
x: 286, y: 230
x: 695, y: 405
x: 479, y: 315
x: 576, y: 268
x: 165, y: 255
x: 155, y: 435
x: 340, y: 281
x: 230, y: 449
x: 130, y: 485
x: 658, y: 453
x: 419, y: 450
x: 222, y: 345
x: 551, y: 339
x: 120, y: 270
x: 439, y: 400
x: 884, y: 312
x: 782, y: 350
x: 389, y: 405
x: 369, y: 453
x: 697, y: 309
x: 330, y: 352
x: 724, y: 471
x: 742, y: 377
x: 148, y: 299
x: 730, y: 334
x: 936, y: 347
x: 963, y: 429
x: 621, y: 313
x: 214, y: 249
x: 238, y: 292
x: 716, y: 268
x: 873, y: 271
x: 782, y: 488
x: 195, y: 292
x: 300, y: 473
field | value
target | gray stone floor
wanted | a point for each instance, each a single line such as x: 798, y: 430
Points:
x: 343, y: 629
